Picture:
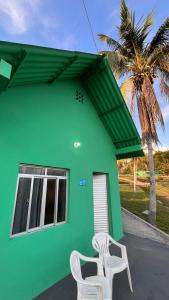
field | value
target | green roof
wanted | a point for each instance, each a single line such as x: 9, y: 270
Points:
x: 34, y: 64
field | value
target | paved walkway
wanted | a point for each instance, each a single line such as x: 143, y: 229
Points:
x: 137, y: 226
x: 149, y: 264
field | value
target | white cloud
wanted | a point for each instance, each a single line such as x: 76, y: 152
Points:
x: 21, y: 16
x: 16, y: 15
x: 165, y: 113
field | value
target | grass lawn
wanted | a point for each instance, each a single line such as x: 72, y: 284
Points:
x: 138, y: 201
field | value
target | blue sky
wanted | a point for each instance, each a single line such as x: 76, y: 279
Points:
x: 63, y: 24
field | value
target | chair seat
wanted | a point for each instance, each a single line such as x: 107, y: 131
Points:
x: 117, y: 264
x: 104, y: 282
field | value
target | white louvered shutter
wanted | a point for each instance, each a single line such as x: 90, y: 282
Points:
x: 100, y: 203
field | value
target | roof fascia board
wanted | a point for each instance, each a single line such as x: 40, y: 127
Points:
x: 138, y: 153
x: 128, y: 149
x: 127, y: 140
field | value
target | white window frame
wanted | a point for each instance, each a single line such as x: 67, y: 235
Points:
x: 45, y: 177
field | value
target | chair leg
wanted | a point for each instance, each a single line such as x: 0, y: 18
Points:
x: 111, y: 285
x: 110, y: 277
x: 79, y: 297
x: 129, y: 278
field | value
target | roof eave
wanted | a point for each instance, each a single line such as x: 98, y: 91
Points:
x: 128, y: 152
x: 112, y: 109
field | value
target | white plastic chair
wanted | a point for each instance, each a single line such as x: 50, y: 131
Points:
x: 112, y: 264
x: 94, y: 287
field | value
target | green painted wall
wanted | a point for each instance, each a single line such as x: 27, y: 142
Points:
x: 38, y: 125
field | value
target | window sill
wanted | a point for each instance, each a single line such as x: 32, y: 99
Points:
x: 37, y: 229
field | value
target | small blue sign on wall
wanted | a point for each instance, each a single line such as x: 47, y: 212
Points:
x: 82, y: 182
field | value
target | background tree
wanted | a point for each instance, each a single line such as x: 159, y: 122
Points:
x: 162, y: 162
x: 142, y: 63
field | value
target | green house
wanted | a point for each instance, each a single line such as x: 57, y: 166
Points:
x: 63, y: 125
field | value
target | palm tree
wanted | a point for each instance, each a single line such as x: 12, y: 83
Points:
x: 141, y: 63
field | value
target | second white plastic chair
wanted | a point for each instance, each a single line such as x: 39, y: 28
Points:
x: 93, y: 287
x: 112, y: 264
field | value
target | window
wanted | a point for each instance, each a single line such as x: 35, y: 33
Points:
x: 40, y: 198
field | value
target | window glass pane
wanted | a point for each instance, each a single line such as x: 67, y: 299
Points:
x: 22, y: 204
x: 24, y: 169
x: 61, y: 213
x: 36, y: 203
x: 56, y: 172
x: 50, y: 201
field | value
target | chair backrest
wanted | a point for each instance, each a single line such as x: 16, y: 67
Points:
x: 100, y: 243
x: 75, y: 266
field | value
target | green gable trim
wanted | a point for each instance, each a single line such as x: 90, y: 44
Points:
x: 5, y: 69
x: 130, y: 155
x: 127, y: 152
x: 34, y: 65
x: 111, y: 107
x: 5, y: 73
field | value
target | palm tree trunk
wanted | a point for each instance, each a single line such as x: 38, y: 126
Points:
x: 135, y: 173
x: 152, y: 202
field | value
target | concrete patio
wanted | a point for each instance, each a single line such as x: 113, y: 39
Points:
x: 149, y: 264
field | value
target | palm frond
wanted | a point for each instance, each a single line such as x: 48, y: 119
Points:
x: 126, y: 87
x: 118, y: 63
x: 152, y: 103
x: 133, y: 34
x: 109, y: 41
x: 161, y: 37
x: 147, y: 24
x: 147, y: 123
x: 128, y: 91
x: 164, y: 75
x: 163, y: 69
x: 164, y: 89
x: 127, y: 31
x: 125, y: 17
x: 149, y: 112
x: 146, y: 27
x: 132, y: 101
x: 160, y: 54
x: 113, y: 44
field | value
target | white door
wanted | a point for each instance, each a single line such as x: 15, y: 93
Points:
x: 101, y: 222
